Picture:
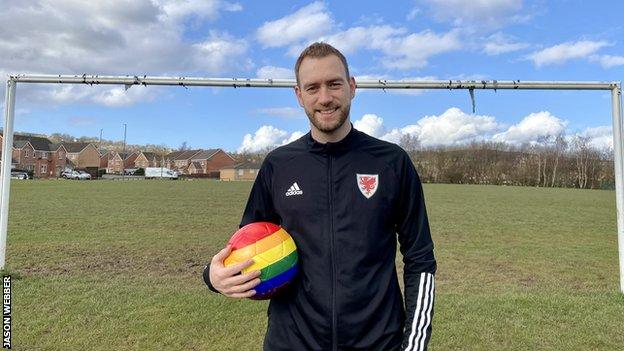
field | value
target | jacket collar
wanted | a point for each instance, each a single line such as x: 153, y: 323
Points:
x: 332, y: 147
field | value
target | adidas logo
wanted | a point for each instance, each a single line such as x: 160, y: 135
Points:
x: 294, y: 190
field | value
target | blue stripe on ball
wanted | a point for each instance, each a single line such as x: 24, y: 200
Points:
x: 267, y: 286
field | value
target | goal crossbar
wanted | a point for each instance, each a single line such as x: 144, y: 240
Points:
x: 471, y: 85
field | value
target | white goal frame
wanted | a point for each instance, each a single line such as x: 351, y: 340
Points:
x: 471, y: 85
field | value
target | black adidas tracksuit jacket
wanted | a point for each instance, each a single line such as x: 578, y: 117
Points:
x: 351, y: 201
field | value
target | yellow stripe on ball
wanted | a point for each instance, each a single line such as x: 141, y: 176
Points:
x: 273, y: 255
x: 259, y: 247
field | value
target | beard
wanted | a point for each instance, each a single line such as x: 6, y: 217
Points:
x: 331, y: 125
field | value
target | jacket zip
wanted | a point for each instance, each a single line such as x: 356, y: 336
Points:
x: 332, y: 255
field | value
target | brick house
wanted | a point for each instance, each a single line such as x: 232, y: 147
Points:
x: 212, y: 160
x: 23, y: 155
x: 241, y: 171
x: 182, y: 161
x: 170, y: 157
x: 38, y: 154
x: 83, y: 156
x: 195, y: 168
x: 105, y: 157
x: 147, y: 159
x: 115, y: 163
x: 129, y: 160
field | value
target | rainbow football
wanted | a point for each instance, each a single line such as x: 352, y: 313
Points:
x: 273, y: 251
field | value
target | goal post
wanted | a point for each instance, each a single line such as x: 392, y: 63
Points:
x: 471, y: 85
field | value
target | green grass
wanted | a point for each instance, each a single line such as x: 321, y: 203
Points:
x: 110, y: 265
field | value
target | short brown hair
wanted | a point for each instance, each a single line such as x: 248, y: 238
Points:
x: 320, y: 50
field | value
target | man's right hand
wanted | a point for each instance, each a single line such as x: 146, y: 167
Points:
x: 230, y: 281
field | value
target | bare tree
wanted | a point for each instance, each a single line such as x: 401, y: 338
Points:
x: 581, y: 149
x: 561, y: 145
x: 409, y: 143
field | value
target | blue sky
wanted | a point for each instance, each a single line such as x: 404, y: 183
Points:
x: 424, y: 39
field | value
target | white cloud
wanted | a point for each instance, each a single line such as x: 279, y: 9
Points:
x: 453, y: 127
x: 177, y: 10
x: 566, y: 51
x: 477, y: 13
x: 119, y: 96
x: 306, y: 23
x: 608, y: 61
x: 532, y: 127
x: 64, y: 94
x: 352, y: 39
x: 500, y: 43
x: 274, y: 72
x: 220, y: 52
x: 401, y: 50
x: 414, y: 50
x: 116, y: 38
x: 111, y: 96
x: 266, y: 137
x: 600, y: 137
x: 294, y: 136
x: 370, y: 124
x: 285, y: 112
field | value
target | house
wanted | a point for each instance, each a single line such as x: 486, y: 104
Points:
x: 115, y: 162
x: 129, y: 160
x: 105, y: 157
x: 242, y: 171
x: 24, y: 155
x: 170, y: 157
x: 147, y: 159
x: 38, y: 154
x: 82, y: 155
x: 195, y: 168
x: 212, y: 160
x: 182, y: 161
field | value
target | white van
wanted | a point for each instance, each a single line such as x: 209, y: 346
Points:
x: 160, y: 172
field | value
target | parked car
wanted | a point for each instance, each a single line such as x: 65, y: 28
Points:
x: 66, y: 174
x: 19, y: 175
x: 80, y: 175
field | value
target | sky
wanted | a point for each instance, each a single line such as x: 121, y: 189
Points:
x: 570, y: 40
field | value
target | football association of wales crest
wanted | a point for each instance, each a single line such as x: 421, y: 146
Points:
x: 367, y: 183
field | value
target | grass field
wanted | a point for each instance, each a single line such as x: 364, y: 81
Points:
x: 108, y: 265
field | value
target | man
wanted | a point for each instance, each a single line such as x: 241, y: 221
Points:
x: 357, y: 194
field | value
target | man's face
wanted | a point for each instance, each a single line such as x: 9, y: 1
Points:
x: 325, y: 92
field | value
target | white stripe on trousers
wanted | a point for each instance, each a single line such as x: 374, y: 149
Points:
x: 422, y: 312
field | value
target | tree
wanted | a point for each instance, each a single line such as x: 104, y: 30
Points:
x: 561, y: 145
x: 184, y: 147
x: 581, y: 148
x: 409, y: 142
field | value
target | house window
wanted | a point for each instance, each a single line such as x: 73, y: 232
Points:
x: 44, y: 169
x: 44, y: 155
x: 27, y: 154
x: 61, y: 155
x: 241, y: 172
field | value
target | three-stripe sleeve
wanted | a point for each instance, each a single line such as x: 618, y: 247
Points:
x: 418, y: 325
x: 419, y: 267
